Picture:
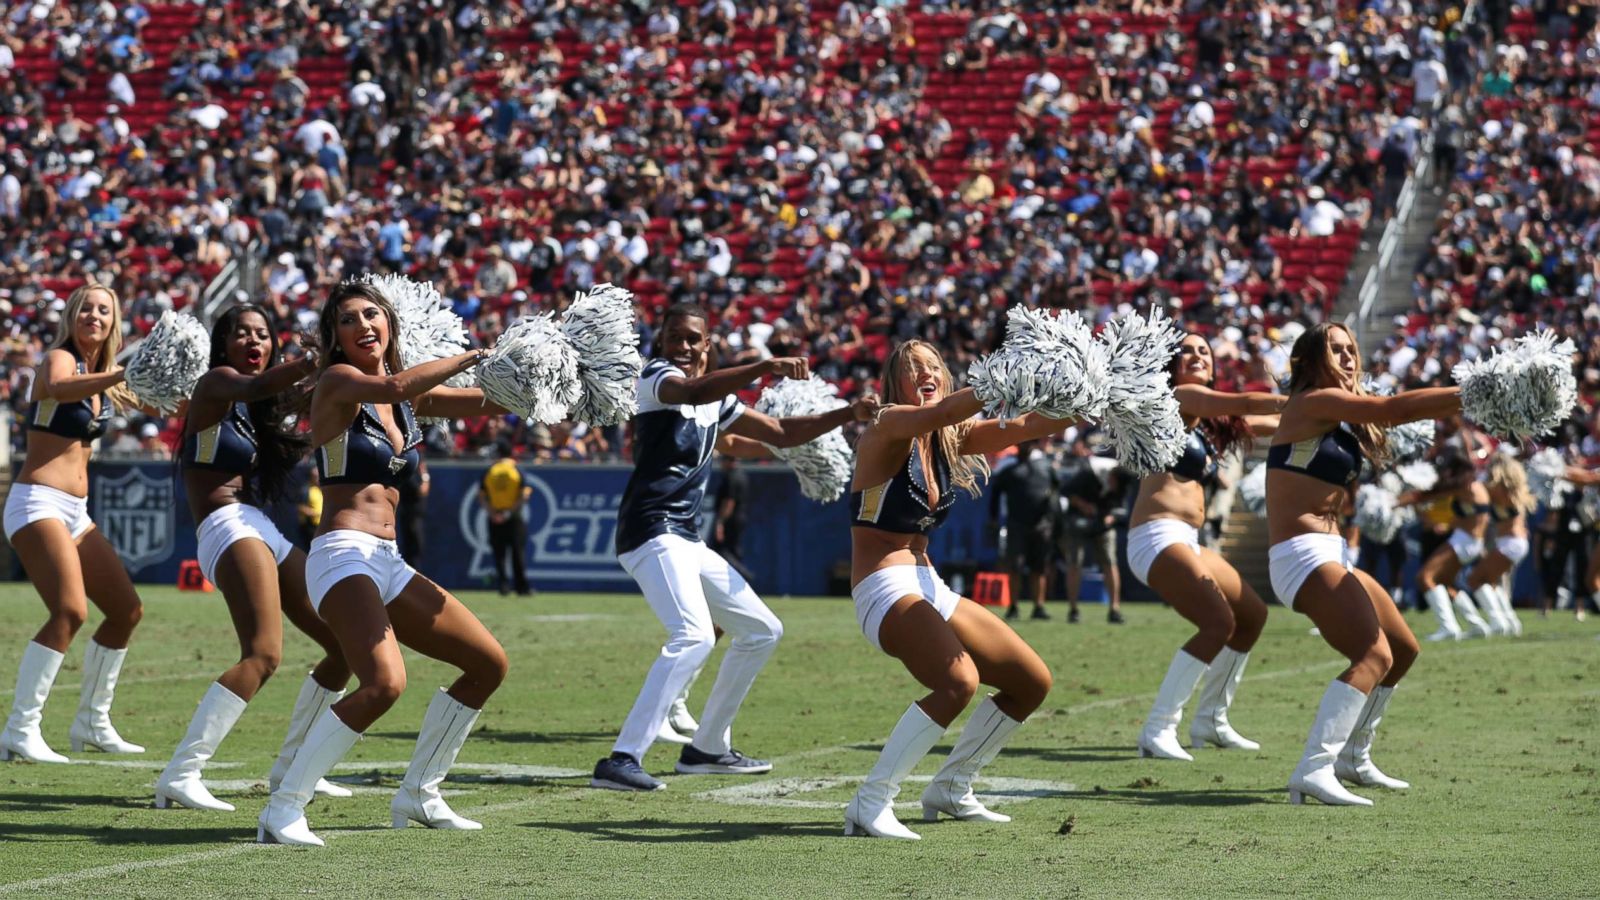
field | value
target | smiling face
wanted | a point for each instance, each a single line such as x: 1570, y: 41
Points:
x: 916, y: 375
x: 686, y: 343
x: 1193, y: 364
x: 249, y: 347
x: 93, y: 321
x: 361, y: 328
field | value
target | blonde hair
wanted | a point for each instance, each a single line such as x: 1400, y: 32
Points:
x: 1507, y: 474
x: 966, y: 470
x: 120, y: 395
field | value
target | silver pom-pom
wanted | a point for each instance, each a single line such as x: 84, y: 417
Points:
x: 601, y: 328
x: 533, y: 371
x: 168, y: 363
x: 1253, y: 490
x: 1142, y: 417
x: 1523, y: 392
x: 824, y: 466
x: 1048, y: 364
x: 428, y: 329
x: 1418, y: 476
x: 1547, y: 477
x: 1378, y: 514
x: 1408, y: 441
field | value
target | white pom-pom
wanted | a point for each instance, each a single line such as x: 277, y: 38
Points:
x: 1142, y: 415
x: 824, y: 465
x: 168, y: 363
x: 1523, y: 392
x: 1418, y: 476
x: 428, y: 328
x: 1406, y: 442
x: 1378, y: 514
x: 1547, y: 477
x: 533, y: 371
x: 601, y: 328
x: 1253, y: 490
x: 1049, y: 364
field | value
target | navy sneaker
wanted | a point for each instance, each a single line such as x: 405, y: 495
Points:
x: 621, y: 772
x: 696, y: 762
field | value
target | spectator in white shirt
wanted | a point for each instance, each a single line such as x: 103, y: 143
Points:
x: 1319, y: 217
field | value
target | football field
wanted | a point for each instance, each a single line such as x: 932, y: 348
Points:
x: 1500, y: 739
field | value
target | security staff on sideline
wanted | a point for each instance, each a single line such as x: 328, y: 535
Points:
x: 503, y: 492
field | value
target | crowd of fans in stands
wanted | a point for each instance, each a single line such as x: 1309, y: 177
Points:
x: 787, y: 165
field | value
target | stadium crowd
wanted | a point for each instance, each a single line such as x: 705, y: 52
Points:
x: 829, y: 178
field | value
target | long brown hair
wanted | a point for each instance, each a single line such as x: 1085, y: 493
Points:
x: 328, y: 325
x: 119, y: 394
x: 1311, y: 367
x: 966, y: 471
x: 1225, y: 434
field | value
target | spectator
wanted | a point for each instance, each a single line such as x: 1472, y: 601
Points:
x: 1092, y: 507
x: 503, y: 493
x: 1028, y: 488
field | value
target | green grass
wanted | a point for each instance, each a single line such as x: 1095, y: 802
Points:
x: 1498, y: 739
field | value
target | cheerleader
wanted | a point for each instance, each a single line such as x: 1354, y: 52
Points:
x: 1510, y: 502
x: 1164, y: 553
x: 47, y: 523
x: 919, y: 450
x: 1470, y: 506
x: 1327, y: 429
x: 363, y: 416
x: 684, y: 412
x: 236, y: 457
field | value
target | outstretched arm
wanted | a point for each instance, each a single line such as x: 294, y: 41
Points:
x: 1203, y: 402
x: 713, y: 386
x: 455, y: 403
x: 1582, y: 477
x: 903, y: 422
x: 994, y: 435
x: 57, y: 378
x: 344, y: 383
x: 792, y: 431
x: 742, y: 448
x: 1338, y: 405
x: 229, y: 385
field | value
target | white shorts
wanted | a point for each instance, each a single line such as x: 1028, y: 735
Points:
x: 1512, y: 548
x: 1146, y: 542
x: 1355, y: 554
x: 29, y: 503
x: 1468, y: 548
x: 1291, y: 562
x: 340, y: 554
x: 236, y: 522
x: 879, y: 592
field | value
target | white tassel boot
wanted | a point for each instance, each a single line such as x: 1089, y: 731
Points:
x: 1314, y: 777
x: 284, y: 819
x: 180, y: 784
x: 313, y: 701
x: 1210, y: 725
x: 1438, y: 598
x: 92, y: 728
x: 1490, y: 605
x: 950, y: 792
x: 1160, y: 736
x: 22, y: 738
x: 871, y: 810
x: 1509, y: 611
x: 444, y: 730
x: 1469, y: 614
x: 1355, y: 761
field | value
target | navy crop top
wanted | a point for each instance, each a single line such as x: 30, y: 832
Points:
x: 900, y: 505
x: 1198, y: 462
x: 228, y: 446
x: 1503, y: 513
x: 364, y: 455
x: 77, y: 420
x: 1334, y: 457
x: 1463, y: 510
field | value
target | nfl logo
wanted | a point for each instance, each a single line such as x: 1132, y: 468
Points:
x: 134, y: 511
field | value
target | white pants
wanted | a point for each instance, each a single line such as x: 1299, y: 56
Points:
x: 1467, y: 547
x: 29, y: 503
x: 1291, y: 562
x: 340, y: 554
x: 690, y: 588
x: 1512, y: 548
x: 1146, y: 542
x: 879, y: 592
x: 236, y: 522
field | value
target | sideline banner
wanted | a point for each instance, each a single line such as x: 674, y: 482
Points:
x: 793, y: 545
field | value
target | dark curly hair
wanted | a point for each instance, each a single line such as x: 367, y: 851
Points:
x: 278, y: 450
